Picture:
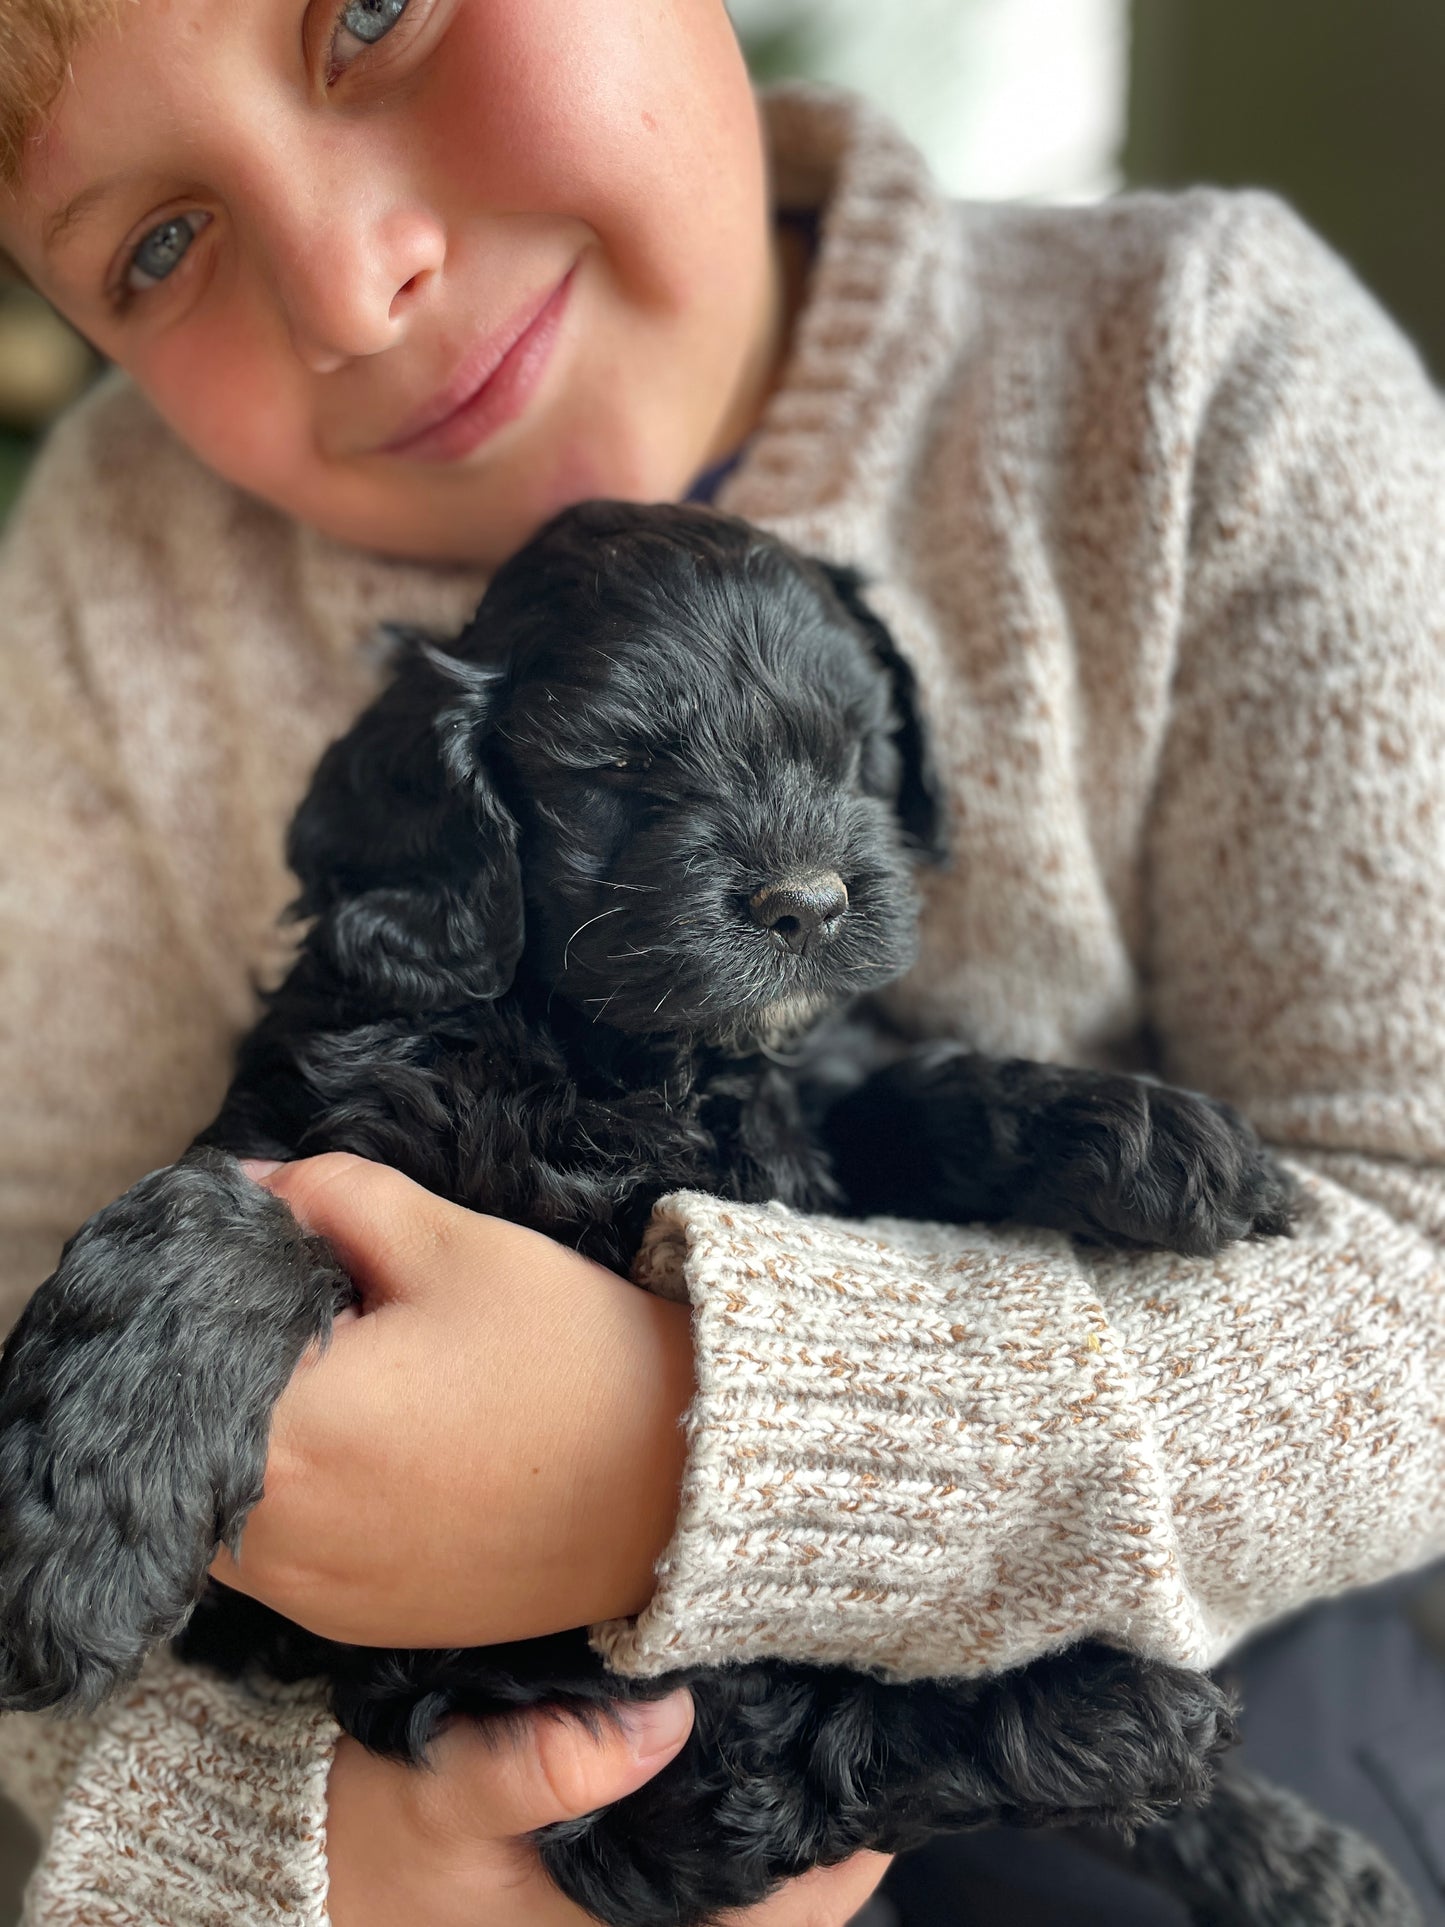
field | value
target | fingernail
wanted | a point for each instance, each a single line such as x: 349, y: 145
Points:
x: 258, y: 1168
x: 655, y: 1727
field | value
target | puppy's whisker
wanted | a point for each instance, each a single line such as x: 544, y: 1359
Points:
x: 616, y: 911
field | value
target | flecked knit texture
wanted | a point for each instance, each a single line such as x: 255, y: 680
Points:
x: 224, y: 1819
x: 1152, y: 495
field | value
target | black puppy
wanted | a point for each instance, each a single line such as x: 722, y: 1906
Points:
x: 567, y: 885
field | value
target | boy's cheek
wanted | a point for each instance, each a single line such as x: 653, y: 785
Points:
x: 240, y: 411
x: 634, y: 117
x: 624, y: 410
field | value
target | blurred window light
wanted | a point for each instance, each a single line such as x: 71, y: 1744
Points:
x: 1008, y: 98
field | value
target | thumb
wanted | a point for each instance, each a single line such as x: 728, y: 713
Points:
x: 382, y: 1226
x: 504, y: 1782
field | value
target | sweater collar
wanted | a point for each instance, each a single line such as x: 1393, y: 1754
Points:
x: 882, y: 319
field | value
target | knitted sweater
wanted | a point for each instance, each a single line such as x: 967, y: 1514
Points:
x: 1151, y: 494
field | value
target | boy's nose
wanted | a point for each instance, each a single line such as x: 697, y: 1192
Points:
x: 352, y: 296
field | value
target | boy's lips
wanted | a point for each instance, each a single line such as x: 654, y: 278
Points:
x: 490, y: 387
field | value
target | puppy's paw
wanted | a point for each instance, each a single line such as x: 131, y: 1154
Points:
x: 135, y: 1405
x: 1138, y: 1163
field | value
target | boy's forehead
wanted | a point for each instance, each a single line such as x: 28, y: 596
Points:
x: 149, y: 89
x: 58, y: 103
x: 38, y: 43
x: 113, y: 115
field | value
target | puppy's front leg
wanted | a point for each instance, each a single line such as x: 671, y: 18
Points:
x: 944, y: 1133
x: 136, y: 1394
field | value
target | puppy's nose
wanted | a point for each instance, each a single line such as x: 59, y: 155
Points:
x: 803, y: 911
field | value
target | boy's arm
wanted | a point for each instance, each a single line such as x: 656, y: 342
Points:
x: 187, y: 1799
x: 943, y: 1450
x: 117, y: 1001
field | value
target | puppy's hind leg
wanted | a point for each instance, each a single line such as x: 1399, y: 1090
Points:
x: 136, y: 1394
x: 1259, y: 1856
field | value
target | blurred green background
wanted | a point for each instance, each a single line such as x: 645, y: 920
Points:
x: 1335, y: 103
x: 14, y: 454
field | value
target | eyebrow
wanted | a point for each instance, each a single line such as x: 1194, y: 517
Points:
x: 75, y: 213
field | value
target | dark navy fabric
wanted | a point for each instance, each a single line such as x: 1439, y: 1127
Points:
x: 705, y: 488
x: 1345, y: 1704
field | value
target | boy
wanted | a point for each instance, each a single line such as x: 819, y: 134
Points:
x: 1150, y: 496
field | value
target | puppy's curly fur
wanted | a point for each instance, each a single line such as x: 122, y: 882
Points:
x: 567, y: 886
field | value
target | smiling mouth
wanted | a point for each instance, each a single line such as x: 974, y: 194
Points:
x: 492, y: 386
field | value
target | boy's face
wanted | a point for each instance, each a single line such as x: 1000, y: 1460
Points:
x: 310, y: 228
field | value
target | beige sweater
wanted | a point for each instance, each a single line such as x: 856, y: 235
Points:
x: 1152, y: 495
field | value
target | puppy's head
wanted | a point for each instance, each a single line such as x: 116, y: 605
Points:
x: 680, y: 759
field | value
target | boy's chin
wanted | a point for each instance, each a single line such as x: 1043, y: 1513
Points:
x: 441, y: 526
x: 418, y: 528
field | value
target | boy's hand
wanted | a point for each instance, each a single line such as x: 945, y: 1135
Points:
x: 449, y: 1845
x: 492, y: 1451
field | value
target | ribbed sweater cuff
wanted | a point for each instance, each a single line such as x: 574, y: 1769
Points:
x: 197, y: 1804
x: 916, y: 1449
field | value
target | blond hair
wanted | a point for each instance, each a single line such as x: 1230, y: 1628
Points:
x: 37, y: 39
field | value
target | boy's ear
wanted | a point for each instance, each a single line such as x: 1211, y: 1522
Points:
x: 919, y: 808
x: 406, y: 853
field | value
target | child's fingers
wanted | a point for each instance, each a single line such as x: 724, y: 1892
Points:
x: 547, y: 1768
x: 400, y: 1242
x: 385, y: 1229
x: 826, y: 1897
x: 450, y: 1843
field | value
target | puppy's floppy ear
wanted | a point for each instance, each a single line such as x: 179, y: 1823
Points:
x: 406, y: 853
x: 919, y: 808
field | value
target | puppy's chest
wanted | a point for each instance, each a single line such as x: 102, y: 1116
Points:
x: 584, y: 1158
x: 526, y: 1128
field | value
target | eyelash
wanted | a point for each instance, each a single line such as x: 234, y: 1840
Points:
x: 120, y: 295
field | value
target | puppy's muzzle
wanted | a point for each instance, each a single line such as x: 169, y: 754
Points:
x: 801, y: 912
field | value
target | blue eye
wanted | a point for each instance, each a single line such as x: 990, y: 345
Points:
x: 163, y: 249
x: 371, y: 20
